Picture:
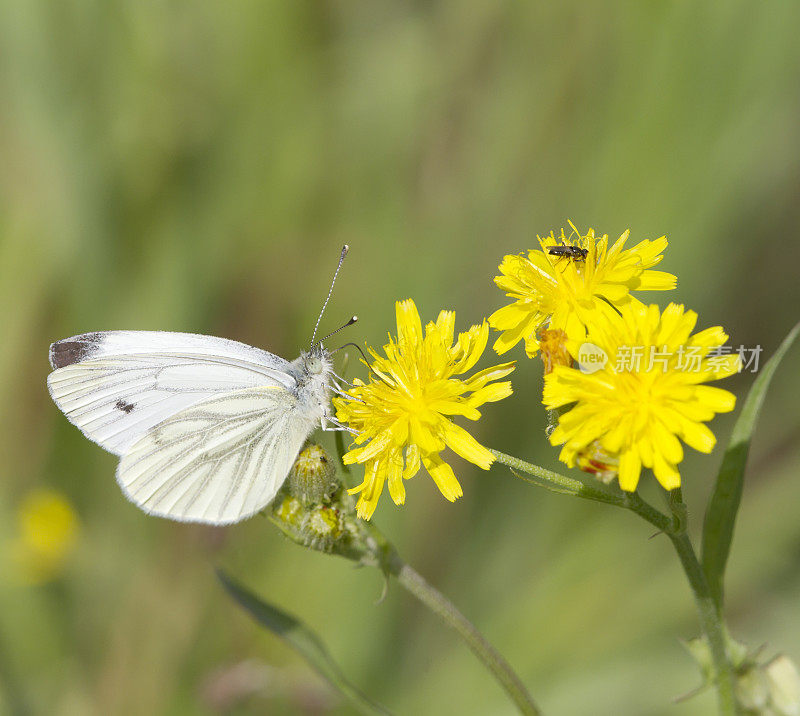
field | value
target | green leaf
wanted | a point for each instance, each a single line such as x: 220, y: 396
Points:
x: 303, y: 640
x: 724, y: 504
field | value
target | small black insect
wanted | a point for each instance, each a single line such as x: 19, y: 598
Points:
x: 123, y: 406
x: 576, y: 253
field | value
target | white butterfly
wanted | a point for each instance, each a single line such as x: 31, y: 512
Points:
x: 207, y: 428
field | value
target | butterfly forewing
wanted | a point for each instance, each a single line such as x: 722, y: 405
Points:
x: 117, y: 385
x: 125, y: 343
x: 218, y: 461
x: 207, y: 428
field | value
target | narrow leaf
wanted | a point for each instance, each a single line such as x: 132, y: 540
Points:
x: 724, y: 504
x: 303, y: 640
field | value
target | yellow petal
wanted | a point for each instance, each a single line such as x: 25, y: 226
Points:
x: 475, y: 351
x: 373, y: 448
x: 656, y: 281
x: 482, y: 377
x: 409, y: 326
x: 698, y: 436
x: 558, y: 436
x: 723, y: 367
x: 422, y: 436
x: 618, y: 246
x: 710, y: 337
x: 630, y: 467
x: 613, y: 290
x: 675, y: 327
x: 443, y: 476
x: 666, y: 473
x: 531, y: 345
x: 366, y: 508
x: 455, y: 407
x: 510, y: 316
x: 446, y: 323
x: 645, y: 450
x: 463, y: 444
x: 567, y: 456
x: 394, y: 476
x: 513, y: 287
x: 665, y: 442
x: 490, y: 394
x: 374, y: 476
x: 524, y: 330
x: 651, y: 251
x: 717, y: 399
x: 412, y: 461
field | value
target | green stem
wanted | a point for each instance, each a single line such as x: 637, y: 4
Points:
x: 710, y: 621
x: 556, y: 482
x: 489, y: 656
x: 675, y: 528
x: 647, y: 512
x: 680, y: 514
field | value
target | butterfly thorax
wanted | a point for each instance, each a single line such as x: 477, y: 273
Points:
x: 312, y: 372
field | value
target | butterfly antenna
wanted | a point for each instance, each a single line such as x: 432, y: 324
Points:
x: 340, y: 328
x: 345, y: 249
x: 357, y: 347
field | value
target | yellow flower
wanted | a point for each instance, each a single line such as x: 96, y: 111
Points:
x: 565, y: 293
x: 47, y: 531
x: 401, y: 416
x: 647, y: 393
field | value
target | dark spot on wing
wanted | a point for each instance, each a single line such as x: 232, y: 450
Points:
x: 123, y: 406
x: 74, y: 350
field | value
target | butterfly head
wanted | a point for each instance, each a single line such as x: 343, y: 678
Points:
x: 312, y: 371
x: 316, y: 362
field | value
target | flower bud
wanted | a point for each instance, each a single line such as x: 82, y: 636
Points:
x: 312, y: 479
x: 752, y: 689
x: 784, y: 685
x: 762, y: 689
x: 325, y: 527
x: 314, y: 510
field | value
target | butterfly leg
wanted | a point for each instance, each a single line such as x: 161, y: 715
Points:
x: 342, y: 380
x: 327, y: 422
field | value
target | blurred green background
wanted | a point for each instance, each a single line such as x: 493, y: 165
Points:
x: 196, y: 166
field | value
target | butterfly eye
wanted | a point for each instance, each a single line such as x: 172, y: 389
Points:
x: 314, y: 365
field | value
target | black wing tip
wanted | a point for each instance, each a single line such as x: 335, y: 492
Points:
x: 74, y: 350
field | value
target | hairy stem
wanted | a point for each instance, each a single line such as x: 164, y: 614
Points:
x: 488, y: 655
x: 556, y: 482
x: 711, y: 622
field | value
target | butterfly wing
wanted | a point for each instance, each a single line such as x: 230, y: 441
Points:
x: 219, y: 461
x: 117, y: 385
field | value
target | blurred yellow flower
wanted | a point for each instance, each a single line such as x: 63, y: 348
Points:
x: 645, y: 393
x: 563, y: 293
x: 47, y: 531
x: 401, y: 416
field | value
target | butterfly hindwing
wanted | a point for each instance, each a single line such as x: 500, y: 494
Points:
x: 218, y: 461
